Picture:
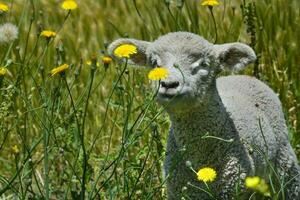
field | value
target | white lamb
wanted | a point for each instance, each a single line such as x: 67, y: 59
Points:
x: 240, y: 110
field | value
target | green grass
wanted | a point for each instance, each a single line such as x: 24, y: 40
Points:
x: 99, y: 132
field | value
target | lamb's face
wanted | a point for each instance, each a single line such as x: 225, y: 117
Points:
x: 193, y: 64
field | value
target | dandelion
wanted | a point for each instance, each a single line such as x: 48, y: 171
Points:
x: 59, y: 70
x: 158, y: 74
x: 125, y: 50
x: 8, y: 33
x: 252, y: 182
x: 69, y: 5
x: 3, y: 7
x: 106, y: 60
x: 3, y: 71
x: 206, y: 174
x: 48, y: 34
x: 258, y: 184
x: 15, y: 149
x: 210, y: 3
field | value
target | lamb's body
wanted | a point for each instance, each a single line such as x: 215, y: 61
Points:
x: 245, y: 110
x: 202, y: 108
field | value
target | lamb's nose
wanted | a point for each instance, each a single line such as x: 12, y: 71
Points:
x: 169, y: 85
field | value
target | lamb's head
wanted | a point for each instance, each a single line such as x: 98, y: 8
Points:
x: 193, y: 64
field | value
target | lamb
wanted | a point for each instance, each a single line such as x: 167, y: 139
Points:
x: 240, y: 110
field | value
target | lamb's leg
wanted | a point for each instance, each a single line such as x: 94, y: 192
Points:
x: 289, y: 171
x: 171, y: 151
x: 233, y: 175
x: 175, y: 170
x: 170, y: 167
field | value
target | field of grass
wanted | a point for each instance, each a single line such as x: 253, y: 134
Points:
x: 97, y: 132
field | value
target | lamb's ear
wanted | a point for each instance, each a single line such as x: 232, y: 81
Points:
x: 135, y: 59
x: 234, y: 56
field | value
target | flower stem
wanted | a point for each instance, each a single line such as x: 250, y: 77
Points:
x: 215, y: 24
x: 85, y: 158
x: 82, y: 193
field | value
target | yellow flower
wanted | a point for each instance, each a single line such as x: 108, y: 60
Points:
x: 258, y: 184
x: 48, y: 34
x: 69, y: 5
x: 15, y: 149
x: 59, y: 70
x: 106, y: 60
x: 3, y: 7
x: 206, y: 174
x: 125, y: 50
x: 252, y: 182
x: 264, y: 188
x: 210, y: 3
x: 158, y: 74
x: 3, y: 71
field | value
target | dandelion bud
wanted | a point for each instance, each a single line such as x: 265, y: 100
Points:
x: 3, y: 71
x: 183, y: 149
x: 17, y: 52
x: 188, y: 164
x: 15, y: 149
x: 167, y: 2
x: 94, y: 63
x: 180, y: 3
x: 61, y: 151
x: 106, y: 45
x: 9, y: 62
x: 106, y: 61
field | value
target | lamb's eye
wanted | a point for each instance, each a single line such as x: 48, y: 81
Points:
x: 201, y: 64
x: 205, y: 63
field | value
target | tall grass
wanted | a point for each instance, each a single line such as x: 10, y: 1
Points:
x: 97, y: 133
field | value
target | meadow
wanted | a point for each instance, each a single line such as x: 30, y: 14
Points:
x: 94, y: 131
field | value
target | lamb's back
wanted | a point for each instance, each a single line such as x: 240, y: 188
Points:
x: 255, y: 110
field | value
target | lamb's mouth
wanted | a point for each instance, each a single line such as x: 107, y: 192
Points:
x: 169, y: 96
